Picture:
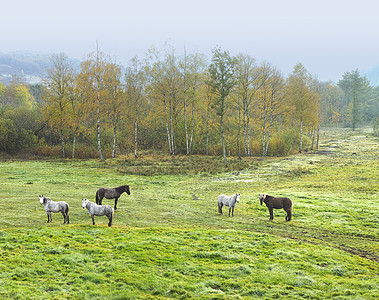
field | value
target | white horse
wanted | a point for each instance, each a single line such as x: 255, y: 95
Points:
x: 52, y: 206
x: 98, y: 210
x: 228, y: 201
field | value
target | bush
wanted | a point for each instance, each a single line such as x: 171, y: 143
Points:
x: 375, y: 126
x: 15, y: 139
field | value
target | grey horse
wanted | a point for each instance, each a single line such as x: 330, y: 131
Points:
x: 228, y: 201
x: 52, y: 206
x: 98, y: 210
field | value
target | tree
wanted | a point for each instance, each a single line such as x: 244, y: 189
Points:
x: 16, y: 95
x: 192, y: 66
x: 331, y: 105
x: 303, y: 98
x: 249, y: 80
x: 135, y: 84
x: 99, y: 87
x: 356, y: 89
x: 270, y: 96
x: 115, y: 99
x: 95, y: 80
x: 221, y: 70
x: 59, y: 83
x: 165, y: 86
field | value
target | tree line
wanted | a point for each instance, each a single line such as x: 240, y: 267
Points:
x: 179, y: 104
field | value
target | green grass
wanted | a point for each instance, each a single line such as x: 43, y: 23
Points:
x: 165, y: 245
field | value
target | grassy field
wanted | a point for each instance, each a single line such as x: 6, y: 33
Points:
x: 166, y: 245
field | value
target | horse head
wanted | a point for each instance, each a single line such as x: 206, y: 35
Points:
x: 238, y: 198
x: 262, y: 197
x: 84, y: 202
x: 127, y: 190
x: 41, y: 199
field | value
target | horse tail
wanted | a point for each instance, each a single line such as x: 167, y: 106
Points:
x: 111, y: 218
x: 289, y: 213
x: 219, y: 207
x: 97, y: 197
x: 66, y: 213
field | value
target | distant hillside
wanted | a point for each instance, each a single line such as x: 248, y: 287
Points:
x: 30, y: 67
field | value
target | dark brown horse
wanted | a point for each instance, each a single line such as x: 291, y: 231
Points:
x: 273, y: 202
x: 114, y: 193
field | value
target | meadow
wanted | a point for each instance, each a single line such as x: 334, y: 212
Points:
x: 164, y: 244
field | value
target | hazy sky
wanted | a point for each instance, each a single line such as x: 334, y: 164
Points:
x: 329, y: 37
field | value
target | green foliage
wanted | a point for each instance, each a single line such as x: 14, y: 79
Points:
x: 358, y: 94
x: 222, y: 79
x: 15, y: 132
x: 16, y: 95
x: 375, y: 126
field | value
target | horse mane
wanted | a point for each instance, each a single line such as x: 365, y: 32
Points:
x: 45, y: 199
x: 121, y: 189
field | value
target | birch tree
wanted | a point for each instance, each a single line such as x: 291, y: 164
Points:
x: 248, y: 82
x: 270, y: 101
x: 59, y: 84
x: 165, y: 86
x: 115, y: 99
x: 94, y: 75
x: 78, y: 108
x: 134, y: 86
x: 192, y: 67
x: 302, y: 98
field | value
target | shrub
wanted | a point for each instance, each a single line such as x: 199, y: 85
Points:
x: 14, y: 139
x: 375, y: 126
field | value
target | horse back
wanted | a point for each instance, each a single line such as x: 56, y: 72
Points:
x: 281, y: 202
x: 100, y: 191
x: 222, y: 198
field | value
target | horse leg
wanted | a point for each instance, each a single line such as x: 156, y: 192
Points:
x: 93, y: 219
x: 66, y: 212
x: 220, y: 205
x: 271, y: 210
x: 110, y: 220
x: 232, y: 211
x: 64, y: 217
x: 289, y: 214
x: 115, y: 203
x: 48, y: 218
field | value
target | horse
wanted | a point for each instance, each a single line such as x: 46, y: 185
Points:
x: 114, y: 193
x: 98, y: 210
x: 273, y: 202
x: 228, y: 201
x: 52, y: 206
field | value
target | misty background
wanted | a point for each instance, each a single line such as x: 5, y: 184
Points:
x: 328, y: 37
